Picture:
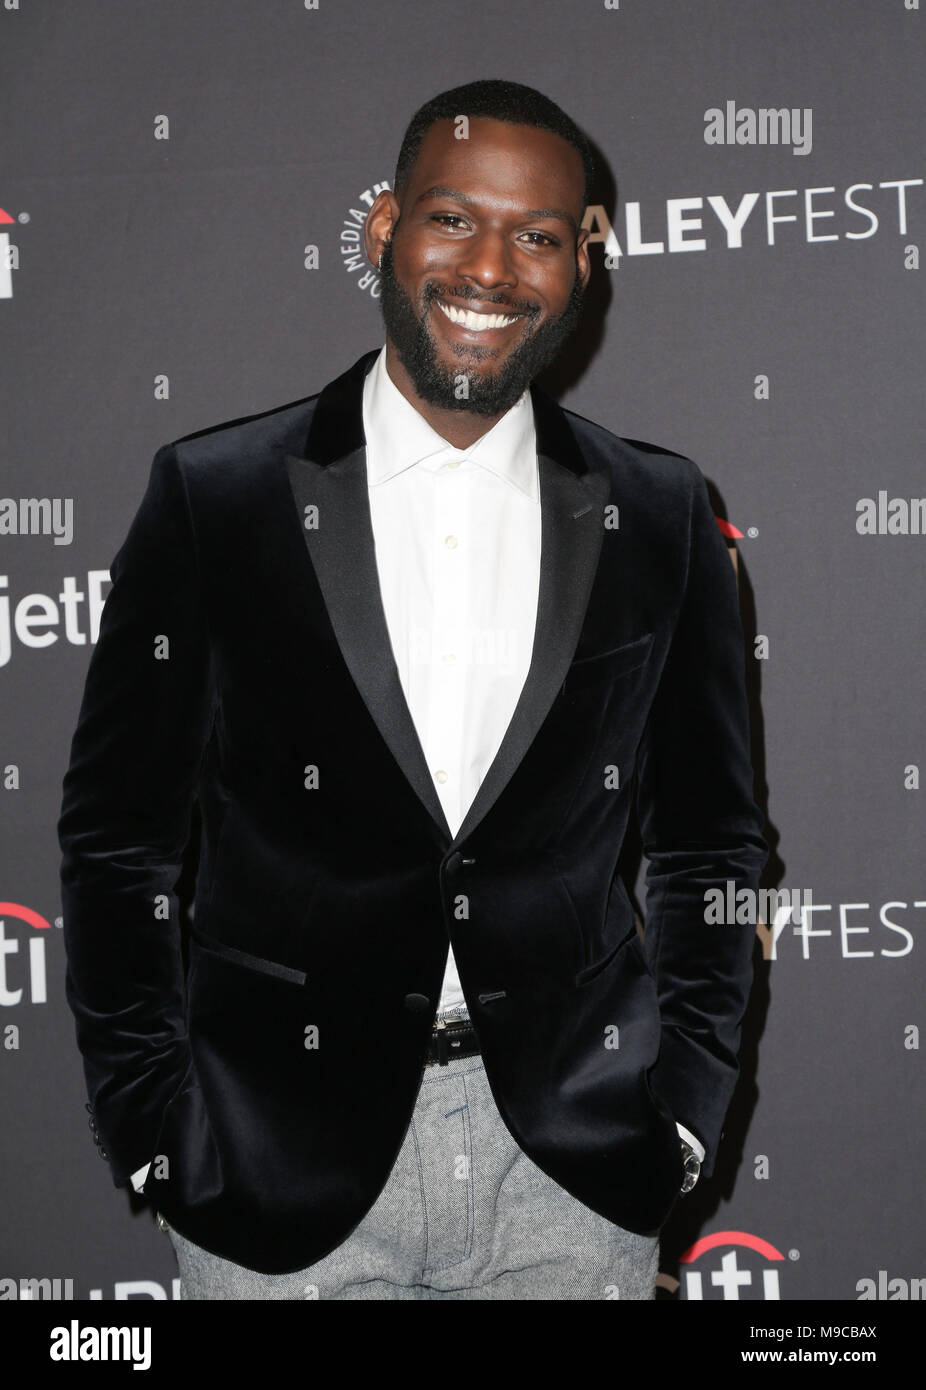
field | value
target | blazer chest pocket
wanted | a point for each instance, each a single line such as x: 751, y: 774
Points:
x: 608, y: 665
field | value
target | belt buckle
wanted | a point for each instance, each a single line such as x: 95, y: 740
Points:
x: 440, y: 1029
x: 443, y: 1054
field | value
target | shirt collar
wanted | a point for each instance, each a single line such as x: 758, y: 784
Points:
x: 399, y: 437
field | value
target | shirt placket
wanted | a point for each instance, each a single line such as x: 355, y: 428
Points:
x: 449, y: 655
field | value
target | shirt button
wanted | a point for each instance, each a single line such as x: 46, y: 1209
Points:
x: 440, y: 776
x: 451, y: 542
x: 454, y: 463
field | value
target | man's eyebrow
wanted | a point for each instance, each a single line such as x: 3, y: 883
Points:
x: 440, y: 190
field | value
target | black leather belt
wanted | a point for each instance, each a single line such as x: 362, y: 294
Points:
x: 451, y: 1038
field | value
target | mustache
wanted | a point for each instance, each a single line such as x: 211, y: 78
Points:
x: 461, y: 292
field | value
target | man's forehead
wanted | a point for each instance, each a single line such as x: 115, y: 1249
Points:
x: 503, y: 155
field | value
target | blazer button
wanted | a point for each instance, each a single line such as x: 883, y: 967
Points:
x: 417, y: 1003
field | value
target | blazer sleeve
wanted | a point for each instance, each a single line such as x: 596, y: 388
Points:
x: 700, y: 828
x: 143, y: 725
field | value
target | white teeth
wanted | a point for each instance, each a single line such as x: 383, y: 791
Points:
x: 477, y: 322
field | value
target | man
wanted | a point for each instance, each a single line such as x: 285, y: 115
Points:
x: 417, y: 645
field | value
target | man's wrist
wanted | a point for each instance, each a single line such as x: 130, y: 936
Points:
x: 692, y: 1157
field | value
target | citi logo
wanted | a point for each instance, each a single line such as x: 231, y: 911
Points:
x: 728, y: 530
x: 749, y: 1268
x: 766, y: 126
x: 30, y: 972
x: 8, y: 257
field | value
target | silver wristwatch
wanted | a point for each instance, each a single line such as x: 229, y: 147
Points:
x: 692, y: 1166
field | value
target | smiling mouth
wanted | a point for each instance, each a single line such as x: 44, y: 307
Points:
x: 477, y: 323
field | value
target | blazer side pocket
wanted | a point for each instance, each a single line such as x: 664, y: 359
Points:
x: 232, y: 954
x: 591, y: 972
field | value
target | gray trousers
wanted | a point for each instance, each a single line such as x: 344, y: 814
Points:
x: 464, y: 1214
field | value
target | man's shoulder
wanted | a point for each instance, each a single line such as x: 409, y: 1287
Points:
x: 257, y: 443
x: 249, y: 441
x: 632, y: 461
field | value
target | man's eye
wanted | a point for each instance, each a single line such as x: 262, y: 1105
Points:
x: 453, y: 219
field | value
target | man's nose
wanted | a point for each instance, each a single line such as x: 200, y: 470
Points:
x: 487, y: 260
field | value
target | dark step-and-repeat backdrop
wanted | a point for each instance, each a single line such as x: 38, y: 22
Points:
x: 183, y: 187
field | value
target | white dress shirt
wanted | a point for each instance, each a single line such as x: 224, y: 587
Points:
x: 457, y: 535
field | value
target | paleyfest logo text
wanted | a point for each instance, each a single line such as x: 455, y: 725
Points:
x: 705, y: 222
x: 712, y: 222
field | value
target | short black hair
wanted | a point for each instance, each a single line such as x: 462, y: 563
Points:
x: 500, y: 101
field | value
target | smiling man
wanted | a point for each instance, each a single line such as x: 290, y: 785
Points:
x: 480, y: 289
x: 418, y: 646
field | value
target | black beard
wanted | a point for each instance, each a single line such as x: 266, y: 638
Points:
x: 490, y: 393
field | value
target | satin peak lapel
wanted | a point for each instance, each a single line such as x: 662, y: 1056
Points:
x: 332, y: 477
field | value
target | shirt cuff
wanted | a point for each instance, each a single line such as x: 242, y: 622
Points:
x: 138, y: 1178
x: 695, y: 1143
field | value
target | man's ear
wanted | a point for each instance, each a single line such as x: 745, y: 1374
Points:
x: 583, y: 264
x: 380, y: 224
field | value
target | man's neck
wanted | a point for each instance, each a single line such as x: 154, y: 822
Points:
x: 461, y: 428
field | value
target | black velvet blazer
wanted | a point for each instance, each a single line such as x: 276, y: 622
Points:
x: 244, y: 660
